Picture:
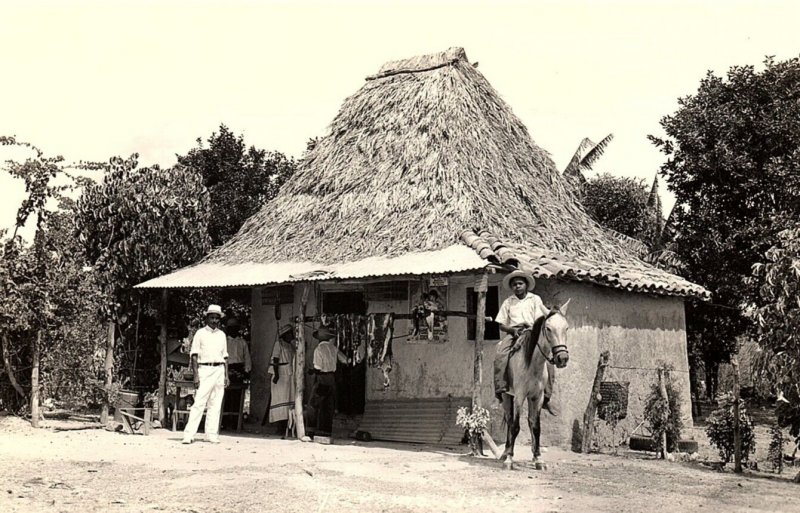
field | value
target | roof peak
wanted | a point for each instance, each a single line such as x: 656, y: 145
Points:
x: 419, y: 63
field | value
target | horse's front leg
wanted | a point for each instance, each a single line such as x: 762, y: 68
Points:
x: 535, y: 425
x: 513, y: 431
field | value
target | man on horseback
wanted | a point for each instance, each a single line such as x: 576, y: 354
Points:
x: 518, y: 313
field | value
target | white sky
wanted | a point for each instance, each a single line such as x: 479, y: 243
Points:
x: 88, y: 80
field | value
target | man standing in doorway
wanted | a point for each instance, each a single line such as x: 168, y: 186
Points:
x: 325, y: 357
x: 518, y: 313
x: 210, y: 365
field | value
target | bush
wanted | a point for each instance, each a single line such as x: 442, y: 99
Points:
x: 720, y: 430
x: 665, y: 416
x: 776, y: 448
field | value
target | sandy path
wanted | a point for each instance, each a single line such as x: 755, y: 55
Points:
x: 101, y: 471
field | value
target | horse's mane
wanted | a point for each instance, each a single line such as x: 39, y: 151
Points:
x: 533, y: 339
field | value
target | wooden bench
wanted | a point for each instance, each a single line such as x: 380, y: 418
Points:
x: 129, y: 419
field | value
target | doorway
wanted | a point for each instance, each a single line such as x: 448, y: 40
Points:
x: 351, y: 382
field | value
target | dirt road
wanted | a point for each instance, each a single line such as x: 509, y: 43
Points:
x: 96, y: 470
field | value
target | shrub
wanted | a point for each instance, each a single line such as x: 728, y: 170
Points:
x: 720, y: 429
x: 776, y: 448
x: 665, y: 416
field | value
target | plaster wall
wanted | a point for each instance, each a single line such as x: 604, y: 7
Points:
x: 639, y: 331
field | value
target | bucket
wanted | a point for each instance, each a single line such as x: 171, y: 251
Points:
x: 127, y: 399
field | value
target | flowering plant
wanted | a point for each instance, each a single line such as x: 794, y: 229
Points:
x: 473, y: 421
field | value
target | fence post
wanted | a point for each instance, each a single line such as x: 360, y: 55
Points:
x: 737, y: 429
x: 594, y: 398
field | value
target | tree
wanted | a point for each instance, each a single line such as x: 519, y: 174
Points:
x: 138, y: 223
x: 240, y: 180
x: 779, y: 325
x: 583, y: 159
x: 32, y: 285
x: 733, y: 164
x: 621, y: 204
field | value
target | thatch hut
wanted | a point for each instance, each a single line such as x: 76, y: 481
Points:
x: 426, y: 178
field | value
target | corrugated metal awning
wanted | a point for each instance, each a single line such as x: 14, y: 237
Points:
x: 455, y: 258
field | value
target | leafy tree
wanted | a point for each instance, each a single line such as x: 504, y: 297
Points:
x: 733, y: 164
x: 33, y: 285
x: 240, y: 180
x: 621, y: 204
x: 779, y: 325
x: 138, y: 223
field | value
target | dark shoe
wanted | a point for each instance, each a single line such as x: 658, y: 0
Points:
x: 549, y: 407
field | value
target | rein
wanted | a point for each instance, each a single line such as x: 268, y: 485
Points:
x: 555, y: 350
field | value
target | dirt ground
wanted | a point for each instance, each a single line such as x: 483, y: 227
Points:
x: 96, y: 470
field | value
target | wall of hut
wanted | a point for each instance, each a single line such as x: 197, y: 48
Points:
x: 639, y: 330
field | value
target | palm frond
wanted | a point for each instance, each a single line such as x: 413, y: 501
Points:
x: 594, y: 153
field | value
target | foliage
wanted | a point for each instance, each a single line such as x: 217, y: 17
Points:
x: 779, y: 324
x: 40, y: 281
x: 239, y: 180
x: 474, y: 422
x: 776, y: 444
x: 733, y: 164
x: 665, y: 416
x: 583, y: 159
x: 140, y: 223
x: 720, y: 429
x: 621, y: 204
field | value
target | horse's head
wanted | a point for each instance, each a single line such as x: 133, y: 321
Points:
x: 554, y: 337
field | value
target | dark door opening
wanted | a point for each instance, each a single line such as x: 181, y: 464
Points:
x: 351, y: 382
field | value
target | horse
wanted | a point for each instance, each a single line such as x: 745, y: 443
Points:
x: 545, y: 342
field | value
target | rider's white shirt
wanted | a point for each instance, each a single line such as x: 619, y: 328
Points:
x: 515, y: 311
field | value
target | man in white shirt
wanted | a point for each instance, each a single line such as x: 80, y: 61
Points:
x: 518, y: 312
x: 210, y: 365
x: 326, y: 356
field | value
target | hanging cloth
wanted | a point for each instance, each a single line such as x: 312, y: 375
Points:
x: 379, y: 346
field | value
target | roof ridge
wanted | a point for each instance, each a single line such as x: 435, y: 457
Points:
x: 421, y: 63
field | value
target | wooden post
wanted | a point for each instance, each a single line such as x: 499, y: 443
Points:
x: 109, y: 370
x: 591, y: 408
x: 35, y: 413
x: 162, y: 351
x: 480, y: 330
x: 300, y: 366
x: 662, y: 388
x: 737, y: 428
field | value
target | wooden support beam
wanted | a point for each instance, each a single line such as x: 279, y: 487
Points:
x: 109, y: 369
x: 594, y: 398
x: 480, y: 328
x: 162, y: 350
x: 300, y: 366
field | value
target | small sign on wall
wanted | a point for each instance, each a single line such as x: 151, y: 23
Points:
x: 280, y: 295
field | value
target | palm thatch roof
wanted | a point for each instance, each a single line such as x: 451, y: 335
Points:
x: 425, y: 150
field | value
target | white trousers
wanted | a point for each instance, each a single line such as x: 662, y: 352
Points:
x: 208, y: 396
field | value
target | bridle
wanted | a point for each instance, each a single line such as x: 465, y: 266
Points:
x: 555, y: 350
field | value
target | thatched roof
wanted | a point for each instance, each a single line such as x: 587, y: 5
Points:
x: 425, y: 150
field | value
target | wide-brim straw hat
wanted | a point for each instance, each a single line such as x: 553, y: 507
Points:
x: 215, y: 309
x: 323, y: 334
x: 286, y: 328
x: 528, y: 277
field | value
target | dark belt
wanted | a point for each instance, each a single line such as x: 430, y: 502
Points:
x: 331, y: 372
x: 214, y: 364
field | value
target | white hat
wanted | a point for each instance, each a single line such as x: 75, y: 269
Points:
x: 215, y: 309
x: 528, y: 277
